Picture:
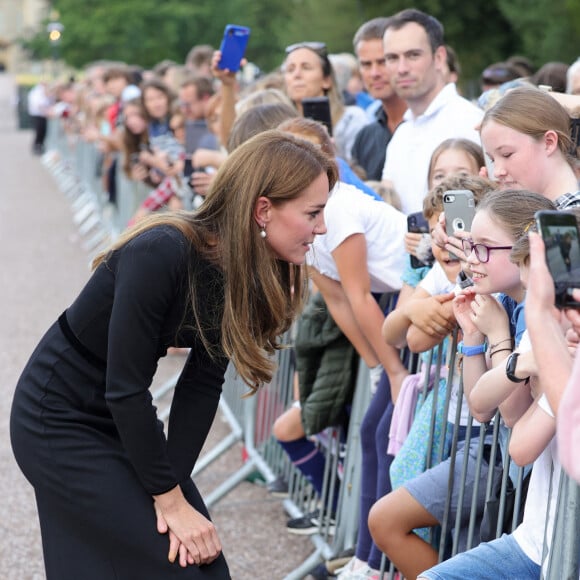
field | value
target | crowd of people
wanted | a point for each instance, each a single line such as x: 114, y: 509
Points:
x: 271, y: 195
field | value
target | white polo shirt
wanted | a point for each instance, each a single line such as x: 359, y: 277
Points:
x: 349, y: 211
x: 410, y: 149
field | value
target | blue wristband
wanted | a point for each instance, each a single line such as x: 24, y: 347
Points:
x: 471, y: 350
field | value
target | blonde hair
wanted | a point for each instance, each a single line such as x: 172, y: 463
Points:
x: 262, y: 294
x: 533, y: 112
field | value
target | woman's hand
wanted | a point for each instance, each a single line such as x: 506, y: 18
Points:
x: 191, y: 535
x: 175, y: 546
x: 226, y: 76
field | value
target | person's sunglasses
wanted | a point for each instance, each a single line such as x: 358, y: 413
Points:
x: 482, y: 251
x: 315, y: 46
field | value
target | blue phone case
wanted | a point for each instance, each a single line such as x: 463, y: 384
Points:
x: 233, y: 46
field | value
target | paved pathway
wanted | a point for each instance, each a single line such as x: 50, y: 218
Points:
x: 42, y: 268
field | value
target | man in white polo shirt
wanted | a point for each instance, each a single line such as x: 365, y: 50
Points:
x: 415, y: 55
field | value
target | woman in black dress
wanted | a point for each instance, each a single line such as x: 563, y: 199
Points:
x: 114, y: 494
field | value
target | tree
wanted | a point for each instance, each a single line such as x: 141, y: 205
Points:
x: 544, y: 38
x: 140, y: 32
x: 145, y: 32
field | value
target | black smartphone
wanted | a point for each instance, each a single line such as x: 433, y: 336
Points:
x: 195, y: 131
x: 459, y: 208
x: 417, y: 224
x: 318, y: 109
x: 233, y: 46
x: 559, y: 230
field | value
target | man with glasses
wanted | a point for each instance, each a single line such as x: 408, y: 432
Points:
x: 194, y: 94
x: 371, y: 142
x: 415, y: 57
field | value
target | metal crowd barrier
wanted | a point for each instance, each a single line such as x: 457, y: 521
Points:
x: 74, y: 165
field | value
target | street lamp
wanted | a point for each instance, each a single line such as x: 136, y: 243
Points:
x: 54, y: 29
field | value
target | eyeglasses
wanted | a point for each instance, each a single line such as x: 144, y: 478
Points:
x: 315, y: 46
x: 482, y: 251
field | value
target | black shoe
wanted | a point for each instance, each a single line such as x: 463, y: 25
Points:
x: 303, y: 526
x: 309, y: 524
x: 278, y: 487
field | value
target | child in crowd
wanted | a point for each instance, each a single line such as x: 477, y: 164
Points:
x: 423, y: 320
x: 456, y: 156
x: 376, y: 423
x: 524, y: 401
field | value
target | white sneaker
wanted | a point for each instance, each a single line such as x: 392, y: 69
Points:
x: 352, y: 569
x: 365, y: 573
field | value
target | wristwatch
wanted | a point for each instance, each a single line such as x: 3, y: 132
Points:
x: 510, y: 368
x: 471, y: 350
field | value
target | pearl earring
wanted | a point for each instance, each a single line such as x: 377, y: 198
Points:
x: 263, y: 233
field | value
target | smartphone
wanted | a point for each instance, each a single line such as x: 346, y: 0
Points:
x: 233, y: 46
x: 459, y: 208
x: 318, y: 109
x: 134, y: 158
x: 417, y: 224
x: 559, y: 230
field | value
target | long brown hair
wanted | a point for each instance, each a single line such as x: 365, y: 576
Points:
x: 262, y: 295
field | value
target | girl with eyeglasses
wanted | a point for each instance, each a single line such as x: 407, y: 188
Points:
x: 514, y: 383
x: 495, y: 230
x: 490, y: 315
x: 308, y: 73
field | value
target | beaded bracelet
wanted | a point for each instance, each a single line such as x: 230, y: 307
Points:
x: 492, y: 352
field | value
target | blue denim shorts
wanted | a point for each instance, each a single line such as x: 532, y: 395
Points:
x: 502, y: 558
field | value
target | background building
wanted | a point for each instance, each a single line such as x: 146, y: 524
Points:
x: 19, y: 19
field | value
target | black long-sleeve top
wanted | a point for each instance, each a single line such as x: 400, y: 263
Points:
x: 135, y: 306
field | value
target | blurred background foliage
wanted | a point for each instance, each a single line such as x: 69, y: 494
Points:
x: 144, y: 32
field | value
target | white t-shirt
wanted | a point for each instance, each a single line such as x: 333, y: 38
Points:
x: 349, y: 211
x: 541, y: 501
x: 410, y: 149
x: 38, y: 101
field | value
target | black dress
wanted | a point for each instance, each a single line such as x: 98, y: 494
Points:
x: 83, y: 426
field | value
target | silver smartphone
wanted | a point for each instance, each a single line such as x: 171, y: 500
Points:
x: 459, y: 207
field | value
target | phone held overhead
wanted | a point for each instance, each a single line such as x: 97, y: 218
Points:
x: 233, y: 47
